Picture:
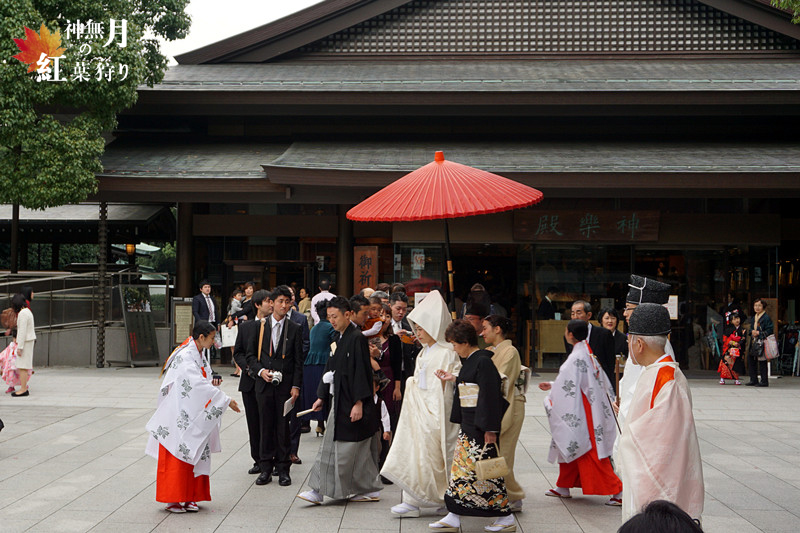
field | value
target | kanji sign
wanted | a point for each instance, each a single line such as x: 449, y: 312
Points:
x: 586, y: 226
x: 365, y: 267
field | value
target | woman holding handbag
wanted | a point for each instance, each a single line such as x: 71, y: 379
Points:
x: 761, y: 327
x: 478, y: 406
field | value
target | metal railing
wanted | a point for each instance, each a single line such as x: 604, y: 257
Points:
x: 70, y: 300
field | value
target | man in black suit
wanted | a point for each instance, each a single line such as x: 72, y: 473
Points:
x: 547, y: 311
x: 203, y: 305
x: 601, y: 341
x: 295, y: 425
x: 248, y: 329
x: 398, y: 302
x: 276, y: 351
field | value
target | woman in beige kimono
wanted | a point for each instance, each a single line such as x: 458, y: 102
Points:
x: 496, y: 330
x: 423, y: 445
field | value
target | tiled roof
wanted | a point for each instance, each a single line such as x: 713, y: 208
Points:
x: 189, y: 160
x: 548, y: 157
x: 83, y: 213
x: 494, y: 76
x: 551, y: 26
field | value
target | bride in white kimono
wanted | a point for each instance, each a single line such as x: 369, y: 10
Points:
x: 422, y: 451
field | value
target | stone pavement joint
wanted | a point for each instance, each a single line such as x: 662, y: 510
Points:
x: 72, y: 460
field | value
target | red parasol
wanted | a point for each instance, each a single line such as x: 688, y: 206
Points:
x: 441, y: 190
x: 444, y: 189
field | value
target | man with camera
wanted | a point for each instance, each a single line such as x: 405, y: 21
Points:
x: 275, y: 361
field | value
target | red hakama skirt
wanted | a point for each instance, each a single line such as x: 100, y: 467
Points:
x: 175, y: 481
x: 588, y: 472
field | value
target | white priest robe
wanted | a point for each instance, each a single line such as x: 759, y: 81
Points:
x: 187, y: 419
x: 422, y: 448
x: 580, y: 373
x: 659, y: 452
x: 627, y: 386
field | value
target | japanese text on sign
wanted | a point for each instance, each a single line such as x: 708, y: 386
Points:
x: 365, y: 266
x: 585, y: 226
x: 77, y: 59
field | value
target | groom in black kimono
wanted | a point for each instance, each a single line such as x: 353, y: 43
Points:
x: 347, y: 462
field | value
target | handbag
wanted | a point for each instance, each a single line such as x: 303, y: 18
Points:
x: 491, y: 468
x: 771, y: 348
x: 757, y: 347
x: 8, y: 318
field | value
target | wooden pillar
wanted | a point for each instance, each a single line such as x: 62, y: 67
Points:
x: 344, y: 255
x: 184, y: 252
x: 15, y: 238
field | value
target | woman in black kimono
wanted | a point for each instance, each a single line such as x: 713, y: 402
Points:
x: 478, y: 407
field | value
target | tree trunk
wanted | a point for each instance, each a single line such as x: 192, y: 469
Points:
x: 102, y: 265
x: 15, y: 238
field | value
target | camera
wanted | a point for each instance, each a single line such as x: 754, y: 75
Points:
x: 277, y: 377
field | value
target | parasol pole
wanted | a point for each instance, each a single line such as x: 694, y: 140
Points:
x: 449, y: 262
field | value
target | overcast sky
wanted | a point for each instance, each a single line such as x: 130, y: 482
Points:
x: 214, y: 20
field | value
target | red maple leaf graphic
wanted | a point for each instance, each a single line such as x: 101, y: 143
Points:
x: 36, y: 44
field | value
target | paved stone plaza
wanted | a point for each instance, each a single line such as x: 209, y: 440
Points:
x: 72, y: 459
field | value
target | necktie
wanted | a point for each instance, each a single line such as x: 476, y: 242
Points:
x: 210, y: 309
x: 396, y: 326
x: 276, y: 333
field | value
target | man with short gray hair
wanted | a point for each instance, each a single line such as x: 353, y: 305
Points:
x: 601, y: 341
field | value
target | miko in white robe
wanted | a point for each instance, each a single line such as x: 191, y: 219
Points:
x: 423, y: 445
x: 659, y: 452
x: 582, y: 451
x: 186, y: 426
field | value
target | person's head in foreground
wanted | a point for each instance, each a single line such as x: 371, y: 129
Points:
x: 661, y: 516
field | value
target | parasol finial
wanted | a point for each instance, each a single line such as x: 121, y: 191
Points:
x: 438, y: 156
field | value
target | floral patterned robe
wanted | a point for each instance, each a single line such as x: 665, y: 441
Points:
x: 188, y: 416
x: 564, y: 406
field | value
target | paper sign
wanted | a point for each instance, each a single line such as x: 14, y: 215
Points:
x: 672, y: 306
x: 417, y: 259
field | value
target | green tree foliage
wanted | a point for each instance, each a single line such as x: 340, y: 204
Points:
x: 163, y: 260
x: 40, y: 255
x: 789, y: 5
x: 51, y: 133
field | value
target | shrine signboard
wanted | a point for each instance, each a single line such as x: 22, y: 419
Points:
x: 586, y: 226
x: 365, y: 267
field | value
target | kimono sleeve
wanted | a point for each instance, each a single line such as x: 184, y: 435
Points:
x: 205, y: 418
x: 361, y: 369
x: 455, y: 413
x: 323, y: 389
x: 491, y: 404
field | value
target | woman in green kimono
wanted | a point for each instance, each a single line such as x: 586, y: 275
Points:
x: 478, y: 407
